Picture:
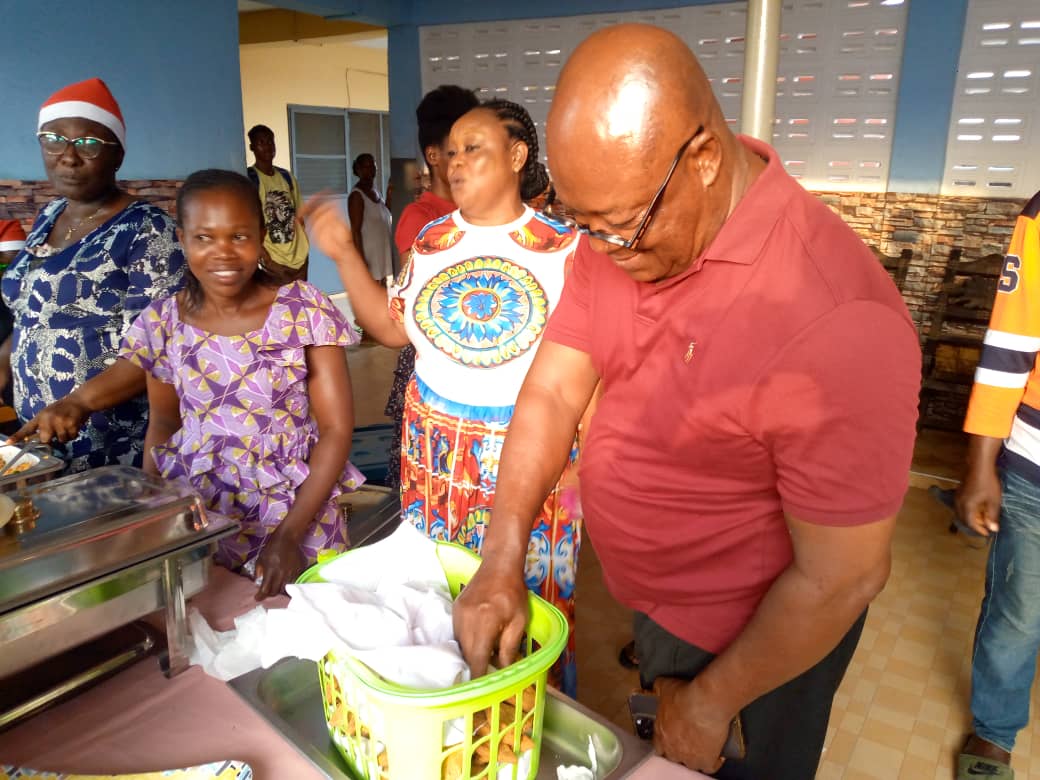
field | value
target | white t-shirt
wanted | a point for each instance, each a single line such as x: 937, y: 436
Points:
x: 475, y: 300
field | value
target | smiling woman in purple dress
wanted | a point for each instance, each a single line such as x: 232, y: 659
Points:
x: 248, y: 389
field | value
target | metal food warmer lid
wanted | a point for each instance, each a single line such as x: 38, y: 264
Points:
x: 93, y: 523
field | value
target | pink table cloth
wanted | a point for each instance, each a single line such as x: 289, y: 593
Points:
x: 656, y: 768
x: 140, y: 721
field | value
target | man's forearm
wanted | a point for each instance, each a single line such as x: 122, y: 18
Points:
x: 536, y: 450
x: 795, y: 626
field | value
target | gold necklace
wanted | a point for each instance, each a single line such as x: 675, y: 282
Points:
x: 82, y: 222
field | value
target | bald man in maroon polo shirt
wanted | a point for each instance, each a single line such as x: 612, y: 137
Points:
x: 743, y: 471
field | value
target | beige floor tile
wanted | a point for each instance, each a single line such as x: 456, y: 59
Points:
x: 914, y: 768
x: 922, y: 747
x: 928, y: 731
x: 841, y: 746
x: 850, y: 722
x: 878, y: 731
x: 899, y: 720
x: 875, y: 760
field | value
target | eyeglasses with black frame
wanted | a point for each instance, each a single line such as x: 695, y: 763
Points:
x: 87, y: 146
x: 644, y: 223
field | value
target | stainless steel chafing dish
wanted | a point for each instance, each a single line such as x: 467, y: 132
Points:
x: 93, y: 551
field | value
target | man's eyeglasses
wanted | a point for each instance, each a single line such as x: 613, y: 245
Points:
x: 87, y: 147
x: 644, y: 223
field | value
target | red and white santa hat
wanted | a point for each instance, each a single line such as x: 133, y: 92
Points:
x: 12, y: 237
x: 88, y: 99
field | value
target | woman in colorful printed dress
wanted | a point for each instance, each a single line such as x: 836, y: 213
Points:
x: 96, y: 256
x: 248, y: 389
x: 473, y: 300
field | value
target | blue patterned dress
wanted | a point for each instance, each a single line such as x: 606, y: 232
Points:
x: 71, y: 309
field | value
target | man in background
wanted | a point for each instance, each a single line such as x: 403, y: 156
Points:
x: 1000, y: 497
x: 286, y: 243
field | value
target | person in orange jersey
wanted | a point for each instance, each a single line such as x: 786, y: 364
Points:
x: 999, y: 497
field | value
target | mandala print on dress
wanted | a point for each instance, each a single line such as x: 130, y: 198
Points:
x: 482, y: 312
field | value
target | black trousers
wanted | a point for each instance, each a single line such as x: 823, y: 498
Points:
x: 784, y: 730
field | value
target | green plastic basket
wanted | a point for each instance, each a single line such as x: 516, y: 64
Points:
x: 384, y: 730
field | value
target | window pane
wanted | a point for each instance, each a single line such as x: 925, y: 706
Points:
x: 364, y: 137
x: 317, y: 174
x: 319, y: 133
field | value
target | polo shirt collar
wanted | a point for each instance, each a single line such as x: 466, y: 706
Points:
x: 742, y: 235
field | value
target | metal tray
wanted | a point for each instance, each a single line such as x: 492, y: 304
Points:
x: 288, y: 697
x: 47, y: 466
x: 372, y: 513
x: 94, y: 523
x: 40, y: 630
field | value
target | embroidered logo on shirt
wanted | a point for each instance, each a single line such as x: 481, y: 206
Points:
x: 689, y: 352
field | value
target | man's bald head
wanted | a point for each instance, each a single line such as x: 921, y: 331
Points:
x: 626, y: 100
x: 629, y: 84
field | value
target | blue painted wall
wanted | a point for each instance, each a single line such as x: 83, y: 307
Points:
x: 173, y: 67
x: 935, y: 30
x: 405, y: 80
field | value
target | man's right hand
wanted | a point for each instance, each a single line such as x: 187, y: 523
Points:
x: 61, y: 420
x: 978, y: 499
x: 490, y: 613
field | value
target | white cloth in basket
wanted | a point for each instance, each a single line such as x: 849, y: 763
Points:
x: 388, y: 604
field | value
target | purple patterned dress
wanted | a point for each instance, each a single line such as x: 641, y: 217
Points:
x: 247, y: 428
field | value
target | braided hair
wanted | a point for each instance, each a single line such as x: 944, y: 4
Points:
x: 236, y: 185
x: 533, y: 177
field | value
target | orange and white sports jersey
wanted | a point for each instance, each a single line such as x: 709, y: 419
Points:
x: 1005, y: 400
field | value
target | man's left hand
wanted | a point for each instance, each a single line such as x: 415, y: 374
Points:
x: 689, y: 730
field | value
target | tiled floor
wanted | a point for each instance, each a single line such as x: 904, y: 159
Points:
x: 901, y: 713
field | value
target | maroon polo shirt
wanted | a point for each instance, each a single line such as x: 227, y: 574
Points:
x: 778, y: 374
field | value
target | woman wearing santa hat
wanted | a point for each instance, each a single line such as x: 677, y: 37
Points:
x: 95, y: 257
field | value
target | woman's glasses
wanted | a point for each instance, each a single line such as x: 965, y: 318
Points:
x: 87, y: 147
x: 644, y: 223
